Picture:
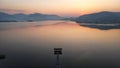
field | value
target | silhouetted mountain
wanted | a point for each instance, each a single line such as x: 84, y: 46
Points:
x: 38, y: 16
x: 4, y: 17
x: 100, y: 18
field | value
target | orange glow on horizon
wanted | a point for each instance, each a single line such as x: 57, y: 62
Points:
x: 59, y: 7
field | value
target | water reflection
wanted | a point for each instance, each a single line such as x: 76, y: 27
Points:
x: 101, y: 26
x: 31, y: 45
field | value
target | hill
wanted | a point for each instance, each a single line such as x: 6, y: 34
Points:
x: 4, y: 17
x: 104, y: 17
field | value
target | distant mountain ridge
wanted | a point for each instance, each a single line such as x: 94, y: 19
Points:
x: 4, y: 17
x: 102, y: 20
x: 104, y: 17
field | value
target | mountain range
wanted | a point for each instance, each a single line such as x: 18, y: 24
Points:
x: 102, y: 20
x: 104, y: 17
x: 4, y: 17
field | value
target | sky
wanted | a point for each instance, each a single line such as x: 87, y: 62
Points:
x: 59, y: 7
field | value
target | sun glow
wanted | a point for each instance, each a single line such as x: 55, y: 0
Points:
x: 60, y: 7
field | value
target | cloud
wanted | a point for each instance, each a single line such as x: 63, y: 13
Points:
x: 11, y: 11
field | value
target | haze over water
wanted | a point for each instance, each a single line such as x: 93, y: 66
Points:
x: 30, y: 45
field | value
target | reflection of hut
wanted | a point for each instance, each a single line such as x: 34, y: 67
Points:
x: 57, y: 52
x: 2, y: 56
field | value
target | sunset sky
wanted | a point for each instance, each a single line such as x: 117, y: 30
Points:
x: 59, y: 7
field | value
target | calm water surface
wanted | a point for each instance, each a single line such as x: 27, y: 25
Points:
x: 30, y: 45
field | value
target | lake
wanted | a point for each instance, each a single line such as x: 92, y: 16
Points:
x: 31, y: 44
